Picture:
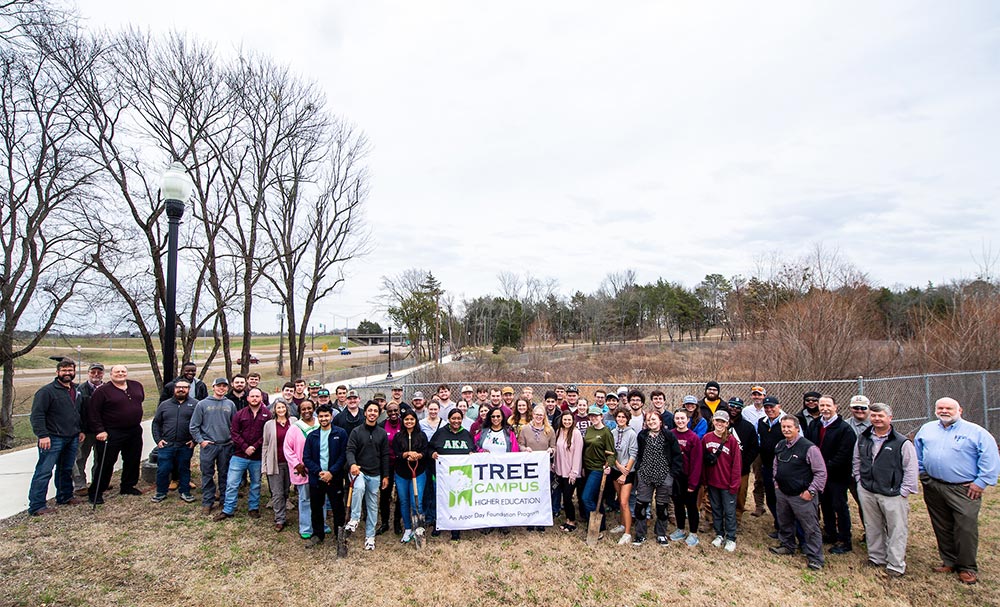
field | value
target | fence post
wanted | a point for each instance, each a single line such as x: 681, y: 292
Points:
x: 927, y: 391
x: 986, y: 404
x: 861, y: 385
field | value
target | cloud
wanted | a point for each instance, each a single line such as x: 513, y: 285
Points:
x: 676, y: 138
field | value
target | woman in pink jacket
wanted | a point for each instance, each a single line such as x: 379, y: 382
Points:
x: 569, y: 466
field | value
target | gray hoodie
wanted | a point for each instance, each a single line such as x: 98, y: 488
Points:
x: 211, y: 420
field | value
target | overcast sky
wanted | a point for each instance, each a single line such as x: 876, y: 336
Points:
x: 676, y: 138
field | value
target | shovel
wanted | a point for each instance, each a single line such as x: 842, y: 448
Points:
x: 416, y: 516
x: 594, y: 530
x: 341, y: 533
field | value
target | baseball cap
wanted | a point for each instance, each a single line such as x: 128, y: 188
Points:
x: 759, y: 390
x: 622, y: 390
x: 352, y: 394
x: 771, y: 400
x: 379, y: 395
x: 611, y: 395
x: 507, y: 390
x: 418, y: 395
x: 860, y: 401
x: 690, y: 400
x: 595, y: 410
x: 464, y: 389
x: 220, y: 381
x: 720, y: 414
x: 572, y: 388
x: 736, y: 401
x: 397, y: 387
x: 96, y: 366
x: 323, y: 392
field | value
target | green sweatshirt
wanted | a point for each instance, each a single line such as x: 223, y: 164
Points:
x: 598, y: 448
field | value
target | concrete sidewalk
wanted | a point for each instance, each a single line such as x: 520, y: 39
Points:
x: 19, y: 466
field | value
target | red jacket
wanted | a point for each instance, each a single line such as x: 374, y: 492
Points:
x: 725, y: 474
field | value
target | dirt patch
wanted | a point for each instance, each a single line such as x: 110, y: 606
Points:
x: 133, y: 552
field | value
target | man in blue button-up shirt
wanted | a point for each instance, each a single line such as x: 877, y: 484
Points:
x: 957, y: 460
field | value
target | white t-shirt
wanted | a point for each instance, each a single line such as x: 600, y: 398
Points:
x: 752, y: 415
x: 495, y: 441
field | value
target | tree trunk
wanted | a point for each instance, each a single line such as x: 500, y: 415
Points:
x: 7, y: 407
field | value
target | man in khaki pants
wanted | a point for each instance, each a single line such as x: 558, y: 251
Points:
x: 885, y: 467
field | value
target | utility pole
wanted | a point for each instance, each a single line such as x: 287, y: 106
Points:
x: 313, y: 346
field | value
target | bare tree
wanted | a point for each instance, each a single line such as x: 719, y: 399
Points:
x: 312, y: 235
x: 169, y: 94
x: 45, y: 175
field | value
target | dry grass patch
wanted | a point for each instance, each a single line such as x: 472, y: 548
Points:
x: 133, y: 552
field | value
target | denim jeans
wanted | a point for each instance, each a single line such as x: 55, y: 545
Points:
x: 366, y: 488
x: 428, y: 497
x: 591, y: 495
x: 214, y: 457
x: 305, y: 510
x: 237, y: 466
x: 723, y: 512
x: 174, y: 455
x: 404, y: 489
x: 60, y: 455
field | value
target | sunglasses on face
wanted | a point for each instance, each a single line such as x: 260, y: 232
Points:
x: 812, y: 400
x: 859, y: 408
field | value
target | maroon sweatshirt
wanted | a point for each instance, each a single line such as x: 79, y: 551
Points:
x: 247, y: 430
x: 112, y: 408
x: 725, y: 474
x: 691, y: 450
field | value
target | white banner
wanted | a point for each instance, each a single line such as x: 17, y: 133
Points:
x: 493, y: 490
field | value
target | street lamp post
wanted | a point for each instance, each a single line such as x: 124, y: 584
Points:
x: 389, y: 374
x: 175, y: 189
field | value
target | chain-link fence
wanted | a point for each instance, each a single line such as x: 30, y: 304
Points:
x: 911, y: 397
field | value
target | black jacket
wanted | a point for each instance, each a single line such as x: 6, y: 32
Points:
x: 368, y: 447
x: 837, y: 448
x: 770, y: 436
x: 198, y: 391
x: 56, y: 410
x: 87, y: 390
x: 405, y: 441
x: 706, y: 412
x: 671, y: 450
x: 749, y: 445
x: 172, y: 421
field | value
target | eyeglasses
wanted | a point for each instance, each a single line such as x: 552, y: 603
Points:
x: 811, y: 400
x: 859, y: 408
x: 496, y: 417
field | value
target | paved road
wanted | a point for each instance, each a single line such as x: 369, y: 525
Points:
x: 18, y: 466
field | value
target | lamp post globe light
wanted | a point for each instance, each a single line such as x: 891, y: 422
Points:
x: 175, y: 189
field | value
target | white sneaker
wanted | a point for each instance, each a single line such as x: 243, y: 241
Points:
x: 351, y: 526
x: 692, y: 539
x: 730, y: 545
x: 406, y: 536
x: 369, y: 543
x: 625, y: 539
x: 618, y: 529
x: 717, y: 542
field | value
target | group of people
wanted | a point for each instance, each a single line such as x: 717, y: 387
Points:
x: 673, y: 465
